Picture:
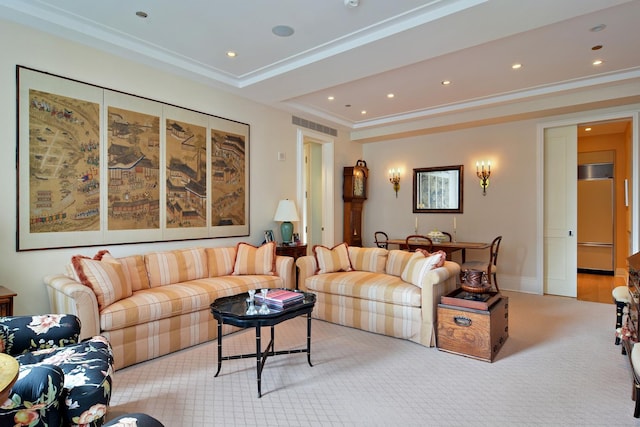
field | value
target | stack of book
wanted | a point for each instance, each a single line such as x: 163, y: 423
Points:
x: 280, y: 298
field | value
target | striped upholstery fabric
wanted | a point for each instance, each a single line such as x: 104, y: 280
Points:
x: 397, y: 261
x: 332, y: 260
x: 253, y: 260
x: 368, y: 259
x: 134, y: 268
x: 368, y: 286
x: 179, y: 298
x: 107, y: 279
x: 165, y: 268
x: 419, y: 265
x: 400, y: 321
x: 220, y: 261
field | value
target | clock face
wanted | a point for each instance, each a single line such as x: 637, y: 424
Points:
x: 358, y: 185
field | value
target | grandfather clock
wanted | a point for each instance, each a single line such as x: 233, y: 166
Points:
x: 354, y: 194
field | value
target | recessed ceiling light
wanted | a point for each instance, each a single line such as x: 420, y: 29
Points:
x: 390, y: 95
x: 331, y: 97
x: 141, y: 14
x: 282, y: 30
x: 597, y: 62
x: 446, y: 82
x: 231, y: 54
x: 587, y: 129
x: 363, y: 112
x: 516, y: 66
x: 598, y: 28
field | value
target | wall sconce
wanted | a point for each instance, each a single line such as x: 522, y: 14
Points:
x: 483, y: 174
x: 394, y: 178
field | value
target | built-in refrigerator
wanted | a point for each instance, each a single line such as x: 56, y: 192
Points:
x: 596, y: 217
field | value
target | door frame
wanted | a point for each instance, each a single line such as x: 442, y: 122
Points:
x: 328, y: 191
x: 634, y: 194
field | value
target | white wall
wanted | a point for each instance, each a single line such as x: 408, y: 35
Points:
x: 508, y: 209
x: 271, y: 131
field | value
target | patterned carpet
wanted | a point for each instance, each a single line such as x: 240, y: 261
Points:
x: 559, y: 367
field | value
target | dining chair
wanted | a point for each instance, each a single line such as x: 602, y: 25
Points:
x: 381, y: 239
x: 448, y: 236
x: 491, y: 266
x: 418, y: 241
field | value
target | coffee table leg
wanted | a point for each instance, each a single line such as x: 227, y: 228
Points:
x: 258, y: 360
x: 309, y: 338
x: 219, y: 347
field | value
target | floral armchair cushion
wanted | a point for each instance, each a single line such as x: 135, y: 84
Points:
x: 61, y: 382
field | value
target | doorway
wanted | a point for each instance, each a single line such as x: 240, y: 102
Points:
x: 552, y: 255
x: 604, y: 153
x: 315, y: 188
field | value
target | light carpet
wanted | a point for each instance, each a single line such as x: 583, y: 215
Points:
x: 559, y: 367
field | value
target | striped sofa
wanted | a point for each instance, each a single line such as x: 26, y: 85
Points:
x: 372, y: 296
x: 157, y: 303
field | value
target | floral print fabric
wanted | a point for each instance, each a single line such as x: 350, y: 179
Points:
x: 61, y: 382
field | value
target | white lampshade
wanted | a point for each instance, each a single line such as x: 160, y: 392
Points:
x: 286, y: 211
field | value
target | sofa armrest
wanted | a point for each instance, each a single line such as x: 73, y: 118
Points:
x: 71, y: 297
x: 436, y: 283
x: 307, y: 267
x: 284, y: 269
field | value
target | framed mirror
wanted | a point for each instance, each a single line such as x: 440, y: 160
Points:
x: 438, y: 189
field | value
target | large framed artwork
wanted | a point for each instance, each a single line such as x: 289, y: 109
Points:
x: 97, y: 166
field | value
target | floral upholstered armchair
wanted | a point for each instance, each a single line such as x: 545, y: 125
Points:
x: 61, y: 382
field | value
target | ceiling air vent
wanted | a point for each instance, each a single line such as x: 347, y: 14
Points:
x: 314, y: 126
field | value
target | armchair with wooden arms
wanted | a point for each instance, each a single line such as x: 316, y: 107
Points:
x: 61, y: 382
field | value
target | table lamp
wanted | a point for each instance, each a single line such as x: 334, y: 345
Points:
x: 286, y: 212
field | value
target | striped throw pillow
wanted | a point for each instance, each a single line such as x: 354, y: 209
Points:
x: 106, y: 279
x: 253, y: 260
x: 419, y: 265
x: 396, y: 262
x: 368, y: 259
x: 332, y: 260
x: 221, y: 261
x: 133, y: 268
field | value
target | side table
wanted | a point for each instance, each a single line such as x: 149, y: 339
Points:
x: 294, y: 252
x: 6, y: 301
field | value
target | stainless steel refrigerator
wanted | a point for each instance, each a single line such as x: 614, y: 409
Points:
x: 596, y: 217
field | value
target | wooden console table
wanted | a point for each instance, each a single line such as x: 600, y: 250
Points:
x: 295, y: 252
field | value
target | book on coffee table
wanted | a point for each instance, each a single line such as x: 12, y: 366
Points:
x: 281, y: 297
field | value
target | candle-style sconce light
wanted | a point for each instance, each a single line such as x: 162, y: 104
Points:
x: 394, y: 178
x: 483, y: 174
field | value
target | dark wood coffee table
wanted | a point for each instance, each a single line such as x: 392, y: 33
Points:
x: 233, y: 311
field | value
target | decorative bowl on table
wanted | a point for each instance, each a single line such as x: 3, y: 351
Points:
x: 436, y: 236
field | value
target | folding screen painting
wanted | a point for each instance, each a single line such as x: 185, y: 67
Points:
x: 97, y: 166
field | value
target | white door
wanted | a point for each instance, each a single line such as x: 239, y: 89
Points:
x: 560, y: 210
x: 313, y: 194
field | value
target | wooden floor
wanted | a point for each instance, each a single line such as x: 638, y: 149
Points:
x: 596, y: 287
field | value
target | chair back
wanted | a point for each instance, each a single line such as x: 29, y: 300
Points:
x: 448, y: 236
x: 381, y: 239
x: 418, y: 241
x: 495, y: 245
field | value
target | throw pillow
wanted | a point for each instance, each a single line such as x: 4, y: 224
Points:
x: 221, y: 261
x: 255, y: 260
x: 419, y: 265
x: 367, y: 259
x: 332, y: 260
x: 133, y: 268
x: 107, y: 279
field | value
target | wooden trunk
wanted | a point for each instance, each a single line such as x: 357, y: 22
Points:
x: 475, y: 333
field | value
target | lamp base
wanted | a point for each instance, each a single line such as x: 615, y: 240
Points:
x: 286, y: 229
